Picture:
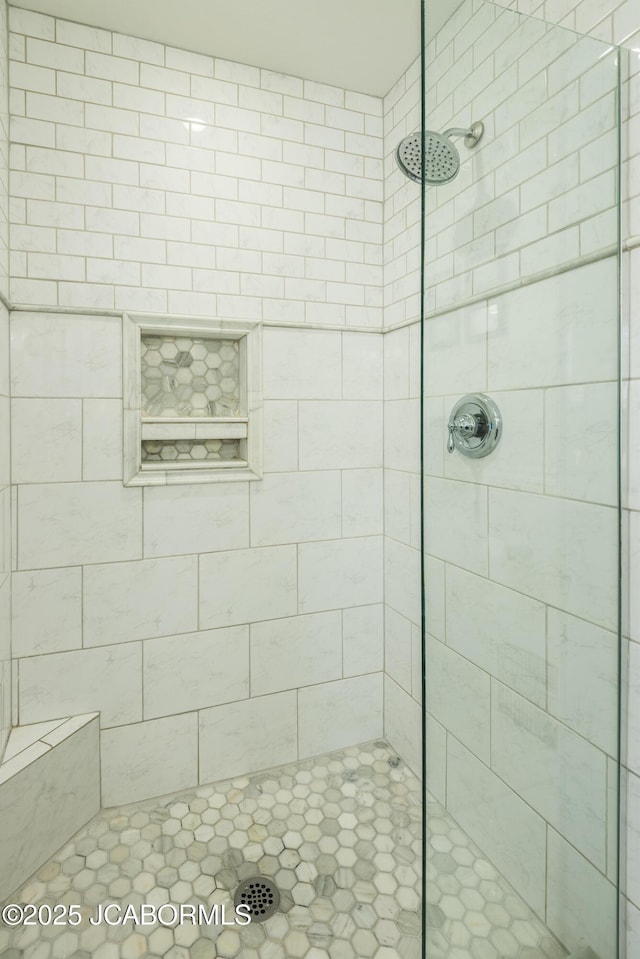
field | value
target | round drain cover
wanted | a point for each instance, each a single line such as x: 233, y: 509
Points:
x: 261, y: 895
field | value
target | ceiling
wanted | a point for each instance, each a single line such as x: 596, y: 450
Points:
x: 362, y: 45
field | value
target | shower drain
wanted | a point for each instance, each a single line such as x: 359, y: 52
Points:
x: 261, y: 895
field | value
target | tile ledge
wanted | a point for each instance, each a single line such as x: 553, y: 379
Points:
x: 29, y: 743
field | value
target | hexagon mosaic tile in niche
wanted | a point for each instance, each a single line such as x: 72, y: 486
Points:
x: 340, y: 836
x: 171, y: 451
x: 190, y: 376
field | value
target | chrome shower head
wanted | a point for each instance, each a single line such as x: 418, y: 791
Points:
x: 442, y: 160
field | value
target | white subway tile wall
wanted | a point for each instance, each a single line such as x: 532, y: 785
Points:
x: 189, y: 184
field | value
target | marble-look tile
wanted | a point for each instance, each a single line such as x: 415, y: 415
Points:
x: 46, y: 611
x: 85, y: 680
x: 630, y: 440
x: 456, y: 523
x: 436, y: 759
x: 331, y: 715
x: 253, y: 734
x: 435, y: 601
x: 499, y: 821
x: 631, y: 695
x: 5, y: 386
x: 402, y: 577
x: 362, y: 639
x: 24, y: 736
x: 302, y: 364
x: 340, y: 435
x: 5, y: 441
x: 295, y: 508
x: 397, y: 648
x: 208, y: 518
x: 558, y: 773
x: 46, y: 441
x: 68, y: 524
x: 396, y: 364
x: 498, y: 629
x: 402, y: 435
x: 517, y: 461
x: 101, y: 439
x: 583, y: 678
x: 293, y: 652
x: 53, y: 355
x: 362, y: 502
x: 340, y: 573
x: 559, y: 551
x: 68, y: 728
x: 397, y: 505
x: 632, y: 846
x: 634, y: 575
x: 149, y: 759
x: 362, y: 366
x: 559, y: 331
x: 435, y: 434
x: 402, y: 725
x: 581, y: 903
x: 44, y: 806
x: 458, y: 696
x: 195, y: 670
x: 455, y: 355
x: 123, y: 602
x: 582, y: 463
x: 280, y: 426
x: 247, y: 586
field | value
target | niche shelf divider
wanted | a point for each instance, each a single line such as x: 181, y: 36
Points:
x: 192, y: 400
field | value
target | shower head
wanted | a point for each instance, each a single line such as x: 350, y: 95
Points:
x: 442, y: 160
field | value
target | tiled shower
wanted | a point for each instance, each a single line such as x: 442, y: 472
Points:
x: 214, y: 272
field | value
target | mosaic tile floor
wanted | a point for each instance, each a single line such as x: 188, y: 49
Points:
x: 340, y: 835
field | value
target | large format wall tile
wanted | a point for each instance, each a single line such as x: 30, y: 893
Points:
x: 458, y: 696
x: 559, y: 551
x: 340, y: 573
x: 195, y: 670
x: 247, y: 586
x: 499, y: 629
x: 583, y: 678
x: 46, y: 611
x: 65, y: 355
x: 302, y: 364
x: 509, y: 831
x: 333, y: 715
x: 207, y: 518
x: 137, y: 762
x: 456, y: 523
x: 68, y: 524
x: 295, y: 508
x: 340, y: 435
x: 46, y: 442
x: 581, y: 902
x: 295, y: 652
x: 128, y: 601
x: 561, y: 775
x: 64, y: 684
x: 555, y: 332
x: 253, y: 734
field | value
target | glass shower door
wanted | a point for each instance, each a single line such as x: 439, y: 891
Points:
x: 521, y: 546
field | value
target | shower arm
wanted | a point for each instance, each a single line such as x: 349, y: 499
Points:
x: 472, y: 134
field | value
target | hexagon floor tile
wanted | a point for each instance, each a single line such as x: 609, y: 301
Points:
x: 341, y: 837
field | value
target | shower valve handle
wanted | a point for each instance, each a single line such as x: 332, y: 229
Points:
x: 466, y: 426
x: 475, y: 425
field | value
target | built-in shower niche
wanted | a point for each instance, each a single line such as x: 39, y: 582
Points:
x: 193, y: 401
